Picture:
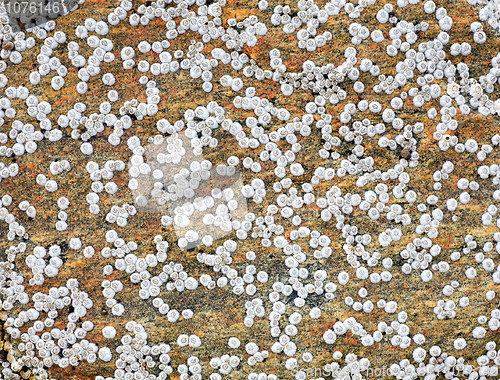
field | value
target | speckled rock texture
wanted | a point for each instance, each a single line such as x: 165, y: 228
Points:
x: 218, y: 314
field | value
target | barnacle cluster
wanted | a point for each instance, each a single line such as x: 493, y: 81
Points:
x: 326, y: 190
